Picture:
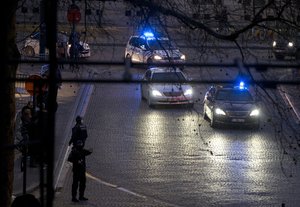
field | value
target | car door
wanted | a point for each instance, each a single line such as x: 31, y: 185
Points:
x: 133, y: 49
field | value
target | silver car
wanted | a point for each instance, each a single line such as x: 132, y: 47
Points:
x: 149, y: 49
x: 225, y: 105
x: 163, y: 86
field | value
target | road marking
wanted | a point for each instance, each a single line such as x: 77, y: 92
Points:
x: 98, y: 180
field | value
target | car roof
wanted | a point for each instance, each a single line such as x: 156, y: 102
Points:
x: 149, y: 38
x: 164, y: 69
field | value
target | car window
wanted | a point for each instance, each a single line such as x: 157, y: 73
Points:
x: 142, y: 43
x: 168, y: 76
x: 163, y: 44
x: 233, y: 95
x: 134, y: 41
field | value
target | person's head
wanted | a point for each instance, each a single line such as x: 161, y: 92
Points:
x: 30, y: 104
x: 78, y: 119
x: 26, y: 200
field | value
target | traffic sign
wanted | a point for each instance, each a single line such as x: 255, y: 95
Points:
x: 73, y: 14
x: 35, y: 84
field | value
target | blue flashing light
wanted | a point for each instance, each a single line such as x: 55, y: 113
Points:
x: 148, y: 34
x: 242, y: 85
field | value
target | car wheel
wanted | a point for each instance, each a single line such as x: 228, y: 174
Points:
x: 28, y: 51
x: 213, y: 123
x: 149, y: 63
x: 128, y: 60
x: 150, y: 104
x: 205, y: 117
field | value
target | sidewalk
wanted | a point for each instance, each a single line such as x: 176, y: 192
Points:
x: 69, y: 99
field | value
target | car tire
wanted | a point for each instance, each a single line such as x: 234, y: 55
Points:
x: 150, y: 104
x: 213, y: 123
x: 149, y: 63
x: 205, y: 117
x: 128, y: 60
x: 28, y: 51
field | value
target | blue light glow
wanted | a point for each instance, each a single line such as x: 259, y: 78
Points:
x: 242, y: 85
x: 148, y: 34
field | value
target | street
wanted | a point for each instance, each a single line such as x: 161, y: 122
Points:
x: 170, y: 156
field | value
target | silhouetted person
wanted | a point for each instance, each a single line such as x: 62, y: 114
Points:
x: 26, y: 200
x: 79, y: 132
x: 77, y: 158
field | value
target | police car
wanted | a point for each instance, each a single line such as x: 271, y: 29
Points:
x: 231, y: 105
x: 147, y: 48
x: 166, y: 86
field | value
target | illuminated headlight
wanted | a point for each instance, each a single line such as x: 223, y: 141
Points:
x: 156, y: 93
x: 290, y: 44
x: 182, y: 57
x: 274, y: 43
x: 188, y: 92
x: 157, y: 57
x: 254, y: 112
x: 219, y: 111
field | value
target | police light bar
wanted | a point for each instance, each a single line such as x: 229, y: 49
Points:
x: 148, y: 34
x: 242, y: 85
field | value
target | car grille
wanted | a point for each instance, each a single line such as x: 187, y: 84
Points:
x: 237, y: 113
x: 173, y: 93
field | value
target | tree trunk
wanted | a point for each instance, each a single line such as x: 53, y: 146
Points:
x: 8, y: 53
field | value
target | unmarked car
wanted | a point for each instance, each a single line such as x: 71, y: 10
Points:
x: 164, y: 86
x: 231, y: 105
x: 286, y: 46
x: 148, y: 49
x: 32, y: 46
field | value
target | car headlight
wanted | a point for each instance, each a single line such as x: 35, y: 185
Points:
x: 274, y: 43
x: 156, y: 93
x: 188, y: 92
x: 157, y: 57
x: 290, y: 44
x: 219, y: 111
x: 182, y: 57
x: 254, y: 112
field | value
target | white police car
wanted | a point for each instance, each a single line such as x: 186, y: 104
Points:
x: 165, y: 86
x: 231, y: 105
x: 31, y: 46
x: 147, y: 48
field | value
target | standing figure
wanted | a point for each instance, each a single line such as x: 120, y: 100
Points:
x: 79, y: 132
x: 77, y: 158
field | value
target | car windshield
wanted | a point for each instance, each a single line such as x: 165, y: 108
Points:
x: 160, y: 44
x: 233, y: 95
x: 168, y: 76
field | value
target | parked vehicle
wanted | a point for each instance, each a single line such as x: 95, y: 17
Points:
x: 166, y: 86
x: 32, y: 46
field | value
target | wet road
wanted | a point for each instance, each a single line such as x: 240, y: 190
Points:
x: 170, y: 156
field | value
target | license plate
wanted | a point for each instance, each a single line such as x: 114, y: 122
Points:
x: 238, y: 120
